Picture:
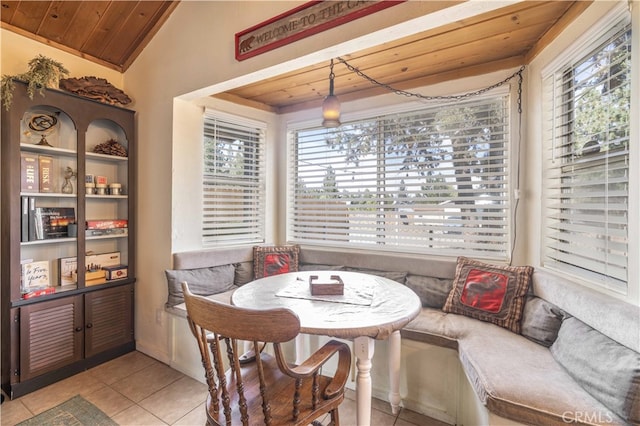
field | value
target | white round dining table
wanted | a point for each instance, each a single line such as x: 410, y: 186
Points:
x: 371, y: 308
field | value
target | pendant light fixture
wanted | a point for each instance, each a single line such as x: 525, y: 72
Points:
x: 331, y: 105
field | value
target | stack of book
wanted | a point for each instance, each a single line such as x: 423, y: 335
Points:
x: 36, y: 173
x: 42, y: 223
x: 100, y: 227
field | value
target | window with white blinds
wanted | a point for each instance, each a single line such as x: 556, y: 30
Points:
x: 233, y: 181
x: 429, y: 181
x: 587, y: 104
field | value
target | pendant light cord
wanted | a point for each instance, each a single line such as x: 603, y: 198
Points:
x: 517, y: 183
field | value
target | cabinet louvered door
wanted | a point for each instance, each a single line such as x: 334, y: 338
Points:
x: 108, y: 319
x: 51, y: 335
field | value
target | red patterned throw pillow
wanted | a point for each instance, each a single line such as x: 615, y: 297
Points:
x: 274, y: 260
x: 491, y: 293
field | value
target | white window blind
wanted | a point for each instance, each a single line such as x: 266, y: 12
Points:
x: 233, y: 181
x: 587, y: 105
x: 429, y: 181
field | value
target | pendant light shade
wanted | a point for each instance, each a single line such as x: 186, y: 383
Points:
x: 331, y: 105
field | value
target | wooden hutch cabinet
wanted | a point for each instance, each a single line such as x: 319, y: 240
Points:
x: 67, y: 237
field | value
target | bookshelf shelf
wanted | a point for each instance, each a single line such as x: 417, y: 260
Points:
x: 47, y: 195
x: 107, y: 197
x: 43, y: 149
x: 106, y: 237
x: 103, y: 157
x: 49, y: 241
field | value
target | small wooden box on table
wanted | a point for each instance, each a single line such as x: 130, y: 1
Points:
x: 326, y: 286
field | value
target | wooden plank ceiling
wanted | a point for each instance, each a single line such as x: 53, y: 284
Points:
x: 113, y: 33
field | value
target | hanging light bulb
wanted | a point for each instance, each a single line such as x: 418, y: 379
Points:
x: 331, y: 105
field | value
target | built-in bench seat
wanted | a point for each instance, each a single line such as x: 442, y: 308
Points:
x: 474, y: 372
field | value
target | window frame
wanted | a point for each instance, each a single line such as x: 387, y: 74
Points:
x: 238, y: 234
x: 582, y: 48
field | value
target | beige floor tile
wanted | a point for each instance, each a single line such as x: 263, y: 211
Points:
x: 176, y: 400
x: 145, y: 392
x: 347, y: 412
x: 146, y: 382
x: 57, y: 393
x: 197, y: 416
x: 122, y: 367
x: 380, y: 405
x: 109, y: 401
x: 12, y: 412
x: 137, y: 416
x: 408, y: 417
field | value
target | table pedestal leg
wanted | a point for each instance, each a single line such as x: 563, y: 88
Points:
x: 394, y: 371
x: 363, y: 348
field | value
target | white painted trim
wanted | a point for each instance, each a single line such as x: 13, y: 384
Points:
x: 234, y: 118
x: 585, y: 43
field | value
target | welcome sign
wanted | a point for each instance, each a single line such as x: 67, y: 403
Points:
x: 303, y: 21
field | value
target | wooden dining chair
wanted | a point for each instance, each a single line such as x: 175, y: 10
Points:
x: 267, y: 390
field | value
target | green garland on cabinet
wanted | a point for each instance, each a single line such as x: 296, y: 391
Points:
x: 43, y: 72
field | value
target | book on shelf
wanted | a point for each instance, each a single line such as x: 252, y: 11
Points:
x: 121, y: 232
x: 67, y: 268
x: 30, y: 219
x: 24, y: 219
x: 38, y: 292
x: 45, y: 167
x: 29, y: 180
x: 52, y: 222
x: 107, y: 223
x: 35, y: 275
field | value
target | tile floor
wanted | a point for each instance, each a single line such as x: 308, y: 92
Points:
x: 138, y: 390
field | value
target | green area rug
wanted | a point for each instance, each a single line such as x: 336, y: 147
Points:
x: 75, y: 412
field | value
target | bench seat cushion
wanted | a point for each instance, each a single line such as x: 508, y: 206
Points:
x: 513, y: 376
x: 606, y: 369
